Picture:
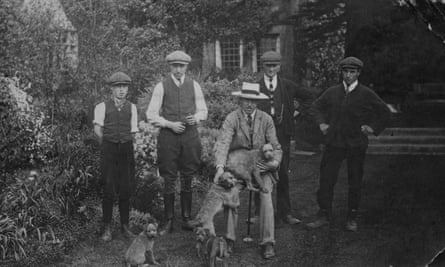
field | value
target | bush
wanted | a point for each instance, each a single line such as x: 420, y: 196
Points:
x: 25, y: 139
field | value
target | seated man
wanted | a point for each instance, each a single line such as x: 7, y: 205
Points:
x: 250, y: 128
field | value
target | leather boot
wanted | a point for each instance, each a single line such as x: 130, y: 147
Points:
x: 169, y: 209
x: 106, y: 236
x: 186, y: 210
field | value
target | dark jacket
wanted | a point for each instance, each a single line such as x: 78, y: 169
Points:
x: 346, y: 113
x: 284, y: 96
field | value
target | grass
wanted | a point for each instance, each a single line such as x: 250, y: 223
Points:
x: 401, y: 224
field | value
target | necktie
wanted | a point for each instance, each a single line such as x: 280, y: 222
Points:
x: 250, y: 124
x: 272, y: 110
x: 179, y: 81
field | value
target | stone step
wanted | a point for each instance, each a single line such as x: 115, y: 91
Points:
x: 407, y: 139
x: 413, y: 131
x: 406, y: 149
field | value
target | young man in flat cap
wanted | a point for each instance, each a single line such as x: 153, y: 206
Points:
x: 250, y: 128
x: 282, y: 93
x: 177, y: 106
x: 346, y: 113
x: 115, y: 123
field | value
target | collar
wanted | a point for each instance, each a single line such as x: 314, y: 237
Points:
x: 350, y: 87
x: 118, y: 103
x: 246, y: 116
x: 176, y: 80
x: 267, y: 81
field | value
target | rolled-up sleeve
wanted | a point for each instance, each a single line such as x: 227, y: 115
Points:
x: 201, y: 107
x: 99, y: 114
x: 155, y: 105
x: 134, y: 119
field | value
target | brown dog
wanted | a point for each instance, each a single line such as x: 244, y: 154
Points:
x: 243, y: 164
x: 213, y: 247
x: 142, y: 246
x: 214, y: 202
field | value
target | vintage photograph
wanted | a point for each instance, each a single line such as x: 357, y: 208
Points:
x: 242, y: 133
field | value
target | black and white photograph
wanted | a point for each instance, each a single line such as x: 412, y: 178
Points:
x: 205, y: 133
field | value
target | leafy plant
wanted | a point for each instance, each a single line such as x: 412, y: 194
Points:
x: 12, y: 238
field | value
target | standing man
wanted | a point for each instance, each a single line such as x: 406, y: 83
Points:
x: 115, y: 124
x: 177, y: 106
x: 346, y: 114
x: 282, y: 93
x: 250, y: 128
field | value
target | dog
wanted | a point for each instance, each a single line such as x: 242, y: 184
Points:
x: 214, y: 248
x: 244, y: 163
x: 219, y: 196
x: 141, y: 246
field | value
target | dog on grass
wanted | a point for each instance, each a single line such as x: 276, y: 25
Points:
x: 142, y: 246
x: 214, y: 248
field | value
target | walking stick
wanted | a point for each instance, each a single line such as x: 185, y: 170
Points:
x: 248, y: 238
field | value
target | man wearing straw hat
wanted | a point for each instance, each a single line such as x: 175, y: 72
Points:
x: 250, y: 128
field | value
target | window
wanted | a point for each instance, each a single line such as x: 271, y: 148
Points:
x: 230, y: 55
x: 267, y: 43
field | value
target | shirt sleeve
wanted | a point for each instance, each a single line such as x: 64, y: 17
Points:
x: 155, y: 105
x: 134, y: 119
x: 201, y: 108
x: 99, y: 114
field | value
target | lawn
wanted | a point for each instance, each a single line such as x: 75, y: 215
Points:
x: 401, y: 224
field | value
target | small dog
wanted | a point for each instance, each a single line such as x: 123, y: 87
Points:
x: 243, y: 164
x: 215, y: 200
x: 213, y: 247
x: 142, y: 244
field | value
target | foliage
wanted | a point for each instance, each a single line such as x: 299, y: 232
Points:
x: 25, y: 139
x: 148, y: 195
x: 208, y: 139
x: 219, y: 101
x: 197, y: 21
x: 321, y: 39
x: 12, y: 238
x: 140, y: 219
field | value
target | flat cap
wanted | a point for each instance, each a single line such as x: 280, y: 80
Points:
x: 351, y: 62
x: 178, y: 57
x: 271, y: 57
x: 118, y: 78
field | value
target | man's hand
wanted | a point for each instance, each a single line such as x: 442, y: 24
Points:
x: 190, y: 120
x: 324, y: 128
x: 219, y: 172
x: 265, y: 166
x: 366, y: 129
x: 177, y: 126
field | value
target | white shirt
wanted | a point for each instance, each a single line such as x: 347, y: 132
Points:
x: 351, y: 87
x: 99, y: 116
x: 158, y: 95
x: 274, y: 82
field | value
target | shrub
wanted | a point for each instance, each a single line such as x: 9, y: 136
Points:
x: 219, y: 101
x: 25, y: 140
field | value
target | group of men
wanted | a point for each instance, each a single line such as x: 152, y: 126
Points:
x: 346, y: 114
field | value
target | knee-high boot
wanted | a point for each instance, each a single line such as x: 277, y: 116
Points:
x: 186, y: 209
x: 169, y: 209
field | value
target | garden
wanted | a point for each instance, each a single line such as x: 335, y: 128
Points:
x: 50, y: 195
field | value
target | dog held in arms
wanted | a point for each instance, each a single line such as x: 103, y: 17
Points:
x: 213, y: 247
x: 142, y: 246
x: 244, y: 164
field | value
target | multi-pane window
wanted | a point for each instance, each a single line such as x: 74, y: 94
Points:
x: 267, y: 43
x: 230, y: 55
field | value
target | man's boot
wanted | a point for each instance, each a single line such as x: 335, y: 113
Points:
x: 169, y: 208
x: 322, y: 220
x: 106, y: 236
x: 186, y: 210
